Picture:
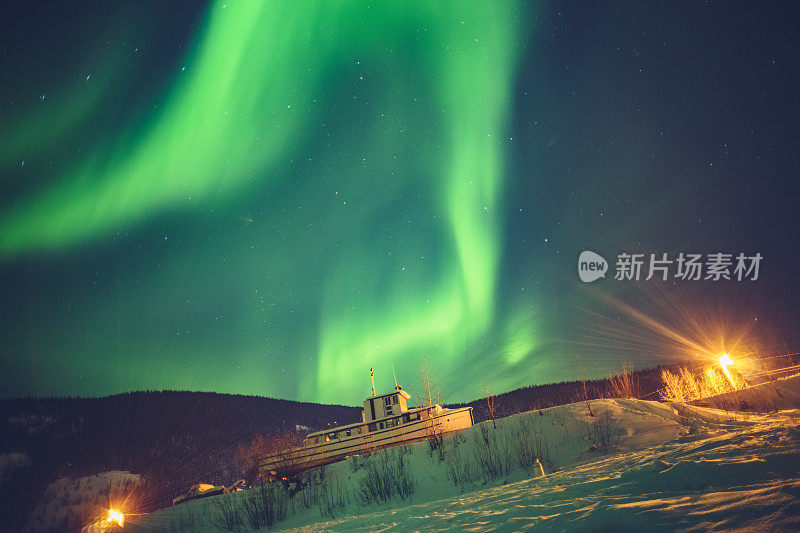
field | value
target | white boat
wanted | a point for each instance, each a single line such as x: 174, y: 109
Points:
x: 386, y: 420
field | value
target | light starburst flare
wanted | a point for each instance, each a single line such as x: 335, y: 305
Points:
x: 115, y: 516
x: 725, y: 361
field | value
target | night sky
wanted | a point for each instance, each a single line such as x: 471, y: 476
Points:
x: 271, y: 197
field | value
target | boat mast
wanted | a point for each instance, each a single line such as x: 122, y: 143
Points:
x: 372, y: 377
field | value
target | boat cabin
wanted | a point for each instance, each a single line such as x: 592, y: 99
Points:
x: 385, y: 405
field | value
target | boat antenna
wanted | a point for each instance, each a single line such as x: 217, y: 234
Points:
x: 372, y: 377
x: 395, y: 377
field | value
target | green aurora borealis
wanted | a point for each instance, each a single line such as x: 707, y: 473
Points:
x: 307, y: 190
x: 247, y: 96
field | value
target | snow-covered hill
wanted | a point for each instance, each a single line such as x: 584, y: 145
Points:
x: 609, y: 465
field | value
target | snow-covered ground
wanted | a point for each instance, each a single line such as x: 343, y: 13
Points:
x: 609, y: 465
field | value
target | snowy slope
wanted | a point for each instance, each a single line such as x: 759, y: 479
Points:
x: 740, y: 477
x: 773, y: 396
x: 610, y: 465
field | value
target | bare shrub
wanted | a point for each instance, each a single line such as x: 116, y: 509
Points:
x: 714, y: 382
x: 625, y: 384
x: 455, y: 439
x: 458, y: 466
x: 249, y: 457
x: 485, y: 434
x: 681, y: 386
x: 684, y: 386
x: 331, y: 498
x: 431, y: 387
x: 228, y: 513
x: 584, y: 391
x: 491, y: 455
x: 531, y: 447
x: 435, y: 438
x: 604, y: 432
x: 673, y: 390
x: 320, y: 491
x: 436, y: 443
x: 386, y: 477
x: 491, y: 404
x: 265, y: 505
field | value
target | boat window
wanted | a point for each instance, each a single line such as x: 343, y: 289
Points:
x: 405, y: 418
x: 387, y: 401
x: 382, y: 425
x: 347, y: 432
x: 373, y: 426
x: 316, y: 440
x: 394, y: 398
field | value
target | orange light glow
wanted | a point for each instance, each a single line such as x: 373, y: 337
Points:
x: 724, y: 362
x: 115, y: 516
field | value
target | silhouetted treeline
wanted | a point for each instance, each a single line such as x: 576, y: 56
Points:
x: 647, y: 383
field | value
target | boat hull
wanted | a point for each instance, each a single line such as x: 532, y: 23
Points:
x: 432, y: 422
